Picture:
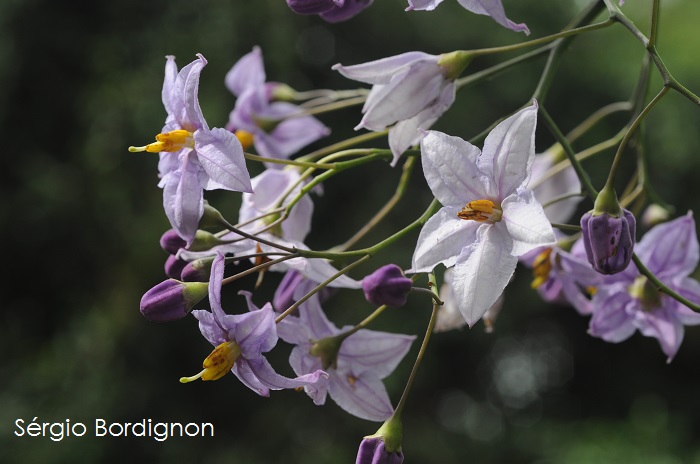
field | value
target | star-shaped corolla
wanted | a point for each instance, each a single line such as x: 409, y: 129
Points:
x: 492, y: 8
x: 628, y: 301
x: 193, y: 157
x: 410, y: 91
x: 489, y: 217
x: 277, y: 129
x: 240, y: 341
x: 356, y: 368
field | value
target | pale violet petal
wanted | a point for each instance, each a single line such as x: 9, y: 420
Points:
x: 493, y: 8
x: 383, y: 70
x: 169, y: 85
x: 183, y: 199
x: 405, y: 96
x: 526, y: 222
x: 210, y: 328
x: 564, y: 182
x: 245, y: 374
x: 363, y: 396
x: 186, y: 91
x: 690, y: 289
x: 303, y: 363
x: 255, y: 331
x: 443, y: 238
x: 509, y: 151
x: 670, y: 249
x: 267, y: 376
x: 661, y: 324
x: 291, y: 135
x: 248, y: 72
x: 221, y: 156
x: 423, y: 5
x: 406, y: 133
x: 372, y: 350
x: 612, y: 320
x: 482, y: 273
x: 450, y: 168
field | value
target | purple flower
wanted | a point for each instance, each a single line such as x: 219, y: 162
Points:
x: 387, y: 286
x: 563, y: 182
x: 172, y: 299
x: 628, y: 301
x: 411, y: 91
x: 193, y: 157
x: 356, y: 364
x: 489, y: 217
x: 295, y: 285
x: 493, y: 8
x: 373, y: 451
x: 277, y: 129
x: 240, y: 341
x: 333, y: 11
x: 609, y: 240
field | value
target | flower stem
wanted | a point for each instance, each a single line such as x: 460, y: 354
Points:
x: 583, y: 177
x: 318, y: 288
x: 351, y: 142
x: 421, y: 352
x: 303, y: 164
x: 381, y: 214
x: 257, y: 268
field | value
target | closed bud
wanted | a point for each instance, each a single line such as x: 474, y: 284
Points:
x: 387, y: 286
x: 171, y: 242
x: 174, y: 266
x: 172, y: 299
x: 384, y: 447
x: 609, y: 240
x: 198, y: 270
x: 204, y: 241
x: 211, y: 217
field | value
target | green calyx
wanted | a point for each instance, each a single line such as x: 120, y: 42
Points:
x: 391, y: 432
x: 283, y: 92
x: 204, y: 240
x: 606, y: 203
x: 647, y: 294
x: 327, y: 349
x: 454, y: 63
x: 211, y: 217
x: 267, y: 125
x: 194, y: 292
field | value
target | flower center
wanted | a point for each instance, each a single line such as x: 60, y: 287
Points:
x: 245, y: 137
x: 541, y: 267
x: 481, y: 211
x: 218, y: 363
x: 645, y: 292
x: 170, y: 141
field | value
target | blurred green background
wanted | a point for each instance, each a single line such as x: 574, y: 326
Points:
x: 81, y: 218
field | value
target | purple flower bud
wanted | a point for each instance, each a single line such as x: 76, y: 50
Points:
x: 309, y: 7
x: 172, y: 299
x: 609, y: 240
x: 372, y: 451
x: 171, y: 242
x: 387, y: 286
x: 198, y: 270
x: 174, y: 266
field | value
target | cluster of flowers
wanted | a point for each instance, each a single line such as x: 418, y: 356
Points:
x: 491, y: 217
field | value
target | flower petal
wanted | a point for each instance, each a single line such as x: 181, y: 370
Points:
x: 381, y: 71
x: 302, y: 362
x: 612, y: 320
x: 493, y: 8
x: 564, y: 182
x: 183, y: 199
x: 363, y: 396
x: 662, y: 325
x: 291, y: 135
x: 670, y: 249
x: 443, y: 239
x: 450, y: 168
x: 509, y: 151
x: 255, y: 331
x: 526, y: 222
x: 221, y: 155
x: 423, y: 5
x: 185, y: 100
x: 169, y: 85
x: 372, y: 350
x: 481, y: 274
x: 248, y: 71
x: 266, y: 375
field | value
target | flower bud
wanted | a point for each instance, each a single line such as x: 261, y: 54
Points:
x: 172, y: 299
x: 204, y: 241
x: 174, y: 266
x: 171, y: 242
x: 387, y: 286
x: 609, y: 240
x: 373, y: 451
x: 384, y: 447
x: 198, y: 270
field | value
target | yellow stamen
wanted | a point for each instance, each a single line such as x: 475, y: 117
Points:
x: 591, y: 290
x: 218, y: 363
x: 245, y: 137
x: 170, y: 141
x: 481, y: 211
x: 352, y: 380
x: 541, y: 267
